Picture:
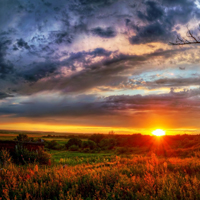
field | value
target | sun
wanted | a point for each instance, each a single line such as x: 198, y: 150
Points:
x: 158, y: 132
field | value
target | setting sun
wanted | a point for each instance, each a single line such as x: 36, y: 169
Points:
x: 158, y: 132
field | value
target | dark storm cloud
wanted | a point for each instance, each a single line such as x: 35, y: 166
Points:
x: 90, y: 7
x: 184, y: 100
x: 97, y: 2
x: 107, y: 72
x: 177, y: 2
x: 38, y: 70
x: 160, y: 20
x: 90, y: 77
x: 6, y: 66
x: 60, y: 37
x: 4, y: 95
x: 80, y: 105
x: 22, y: 44
x: 100, y: 52
x: 108, y: 32
x: 153, y: 12
x: 38, y: 18
x: 155, y: 32
x: 91, y: 105
x: 43, y: 33
x: 95, y: 53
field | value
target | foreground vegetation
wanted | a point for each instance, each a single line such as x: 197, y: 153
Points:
x: 123, y: 178
x: 103, y: 167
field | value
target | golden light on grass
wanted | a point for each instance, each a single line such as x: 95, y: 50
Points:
x: 158, y: 132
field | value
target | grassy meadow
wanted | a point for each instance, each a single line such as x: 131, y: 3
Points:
x: 167, y: 168
x: 125, y: 178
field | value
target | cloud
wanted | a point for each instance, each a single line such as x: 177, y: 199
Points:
x: 41, y: 106
x: 6, y: 66
x: 154, y: 32
x: 22, y: 44
x: 38, y: 71
x: 100, y: 52
x: 160, y: 83
x: 56, y: 46
x: 61, y: 36
x: 4, y: 95
x: 54, y: 105
x: 108, y: 32
x: 81, y: 72
x: 159, y: 20
x: 173, y: 101
x: 176, y: 82
x: 153, y: 12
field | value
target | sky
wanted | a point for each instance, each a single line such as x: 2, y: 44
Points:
x: 94, y: 66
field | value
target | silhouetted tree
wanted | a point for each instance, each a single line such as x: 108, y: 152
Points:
x: 190, y: 39
x: 22, y: 137
x: 96, y: 138
x: 89, y: 144
x: 74, y: 141
x: 53, y: 144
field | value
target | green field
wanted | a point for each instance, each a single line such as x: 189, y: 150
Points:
x: 74, y: 158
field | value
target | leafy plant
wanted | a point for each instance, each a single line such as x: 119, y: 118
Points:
x: 53, y: 144
x: 74, y: 141
x: 5, y: 157
x: 22, y: 137
x: 89, y: 144
x: 24, y: 156
x: 73, y: 148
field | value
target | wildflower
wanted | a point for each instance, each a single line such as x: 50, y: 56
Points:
x: 36, y: 168
x: 49, y: 162
x: 61, y: 161
x: 28, y: 176
x: 165, y: 165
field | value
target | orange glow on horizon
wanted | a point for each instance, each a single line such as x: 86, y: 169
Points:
x: 64, y: 128
x: 72, y: 128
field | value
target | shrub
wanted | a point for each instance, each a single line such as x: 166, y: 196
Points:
x: 43, y: 157
x: 22, y: 137
x: 73, y: 148
x: 24, y: 156
x: 53, y: 144
x: 89, y: 144
x: 97, y: 138
x: 74, y: 141
x: 86, y: 150
x: 108, y: 144
x: 122, y: 150
x: 5, y: 157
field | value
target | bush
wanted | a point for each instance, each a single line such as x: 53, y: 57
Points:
x: 24, y: 156
x: 53, y: 144
x: 122, y: 150
x: 5, y: 157
x: 89, y: 144
x: 108, y: 144
x: 73, y: 148
x: 97, y: 138
x: 74, y: 141
x: 43, y: 157
x: 22, y: 137
x: 86, y: 150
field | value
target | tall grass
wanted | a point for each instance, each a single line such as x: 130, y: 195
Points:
x: 123, y: 178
